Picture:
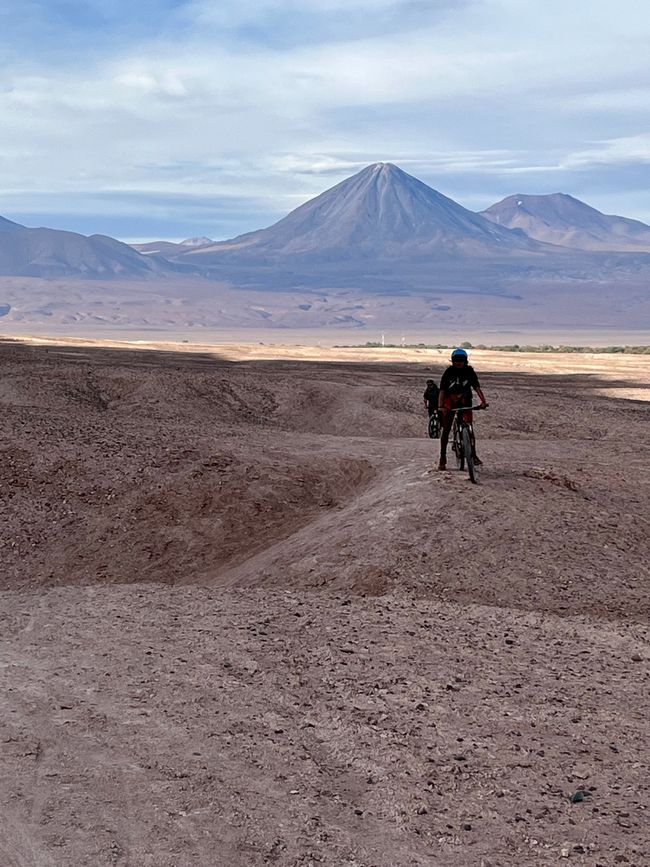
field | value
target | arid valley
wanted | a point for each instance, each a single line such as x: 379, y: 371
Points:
x: 247, y: 622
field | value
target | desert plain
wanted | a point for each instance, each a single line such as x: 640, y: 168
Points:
x: 245, y: 621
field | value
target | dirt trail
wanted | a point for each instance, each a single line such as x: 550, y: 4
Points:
x: 245, y: 622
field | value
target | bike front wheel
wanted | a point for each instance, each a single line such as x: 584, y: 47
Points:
x: 467, y: 448
x: 434, y: 427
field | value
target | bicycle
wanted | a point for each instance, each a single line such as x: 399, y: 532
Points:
x: 433, y: 427
x: 462, y: 439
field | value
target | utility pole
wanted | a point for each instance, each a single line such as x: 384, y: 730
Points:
x: 382, y: 339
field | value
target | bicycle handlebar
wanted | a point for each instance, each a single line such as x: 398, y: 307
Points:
x: 465, y: 408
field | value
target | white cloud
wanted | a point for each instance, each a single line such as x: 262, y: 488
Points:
x: 626, y: 150
x: 495, y: 87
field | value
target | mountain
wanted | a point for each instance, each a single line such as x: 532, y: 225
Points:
x: 379, y: 212
x: 159, y: 248
x: 8, y: 225
x: 561, y: 219
x: 197, y: 242
x: 54, y: 253
x: 171, y: 248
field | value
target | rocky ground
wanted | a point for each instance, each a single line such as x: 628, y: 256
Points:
x: 245, y: 622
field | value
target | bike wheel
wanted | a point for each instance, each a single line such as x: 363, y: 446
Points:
x: 467, y: 448
x: 434, y: 427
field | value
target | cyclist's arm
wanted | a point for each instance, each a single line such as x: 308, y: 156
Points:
x: 479, y: 391
x: 441, y: 400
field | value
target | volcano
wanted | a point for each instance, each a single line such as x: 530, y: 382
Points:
x: 381, y: 212
x: 560, y: 219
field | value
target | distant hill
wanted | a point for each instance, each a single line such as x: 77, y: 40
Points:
x: 159, y: 248
x: 171, y: 248
x: 53, y: 253
x: 561, y: 219
x: 197, y: 242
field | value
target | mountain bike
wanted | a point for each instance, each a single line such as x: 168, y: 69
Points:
x: 462, y: 439
x: 433, y: 428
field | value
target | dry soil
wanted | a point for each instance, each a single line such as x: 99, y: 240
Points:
x: 246, y: 622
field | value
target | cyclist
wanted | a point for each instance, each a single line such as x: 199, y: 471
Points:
x: 431, y: 395
x: 456, y: 387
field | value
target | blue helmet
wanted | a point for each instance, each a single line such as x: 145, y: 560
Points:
x: 459, y: 353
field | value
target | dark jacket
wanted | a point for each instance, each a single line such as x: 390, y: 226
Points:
x: 431, y: 396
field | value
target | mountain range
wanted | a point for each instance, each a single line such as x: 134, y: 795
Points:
x: 378, y: 234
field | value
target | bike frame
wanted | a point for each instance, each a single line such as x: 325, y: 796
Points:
x: 462, y: 422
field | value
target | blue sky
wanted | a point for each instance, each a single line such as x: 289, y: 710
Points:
x: 173, y: 118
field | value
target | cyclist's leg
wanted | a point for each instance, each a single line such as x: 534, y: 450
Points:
x: 447, y: 419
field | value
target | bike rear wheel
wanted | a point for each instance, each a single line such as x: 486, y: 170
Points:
x: 467, y: 448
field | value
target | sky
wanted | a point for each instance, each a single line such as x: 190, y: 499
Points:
x: 168, y: 119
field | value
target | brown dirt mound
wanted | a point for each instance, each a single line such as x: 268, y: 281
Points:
x: 170, y: 518
x: 126, y: 466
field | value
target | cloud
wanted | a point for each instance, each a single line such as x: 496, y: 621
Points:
x: 289, y: 23
x: 630, y: 149
x: 268, y: 102
x: 141, y: 214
